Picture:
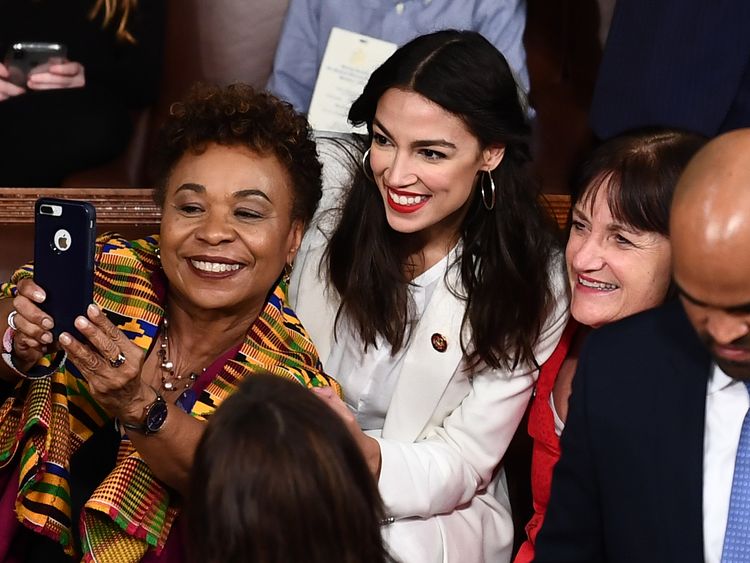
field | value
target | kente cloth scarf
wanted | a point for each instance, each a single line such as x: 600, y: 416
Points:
x: 45, y: 421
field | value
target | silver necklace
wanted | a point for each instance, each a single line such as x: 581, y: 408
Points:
x: 169, y: 380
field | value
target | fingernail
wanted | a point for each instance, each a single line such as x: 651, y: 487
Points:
x: 65, y: 338
x: 82, y: 322
x: 38, y: 296
x: 47, y: 323
x: 47, y: 338
x: 93, y: 310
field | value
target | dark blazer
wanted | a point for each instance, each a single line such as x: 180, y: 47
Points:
x: 629, y: 484
x: 678, y: 63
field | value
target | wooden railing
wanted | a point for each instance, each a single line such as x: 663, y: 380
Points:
x: 114, y: 206
x: 131, y: 212
x: 559, y: 207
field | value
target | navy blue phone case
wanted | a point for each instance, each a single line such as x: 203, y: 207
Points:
x: 64, y: 248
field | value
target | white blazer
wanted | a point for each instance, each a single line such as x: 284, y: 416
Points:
x: 446, y: 430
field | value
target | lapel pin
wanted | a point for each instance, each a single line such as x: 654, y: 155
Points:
x: 439, y: 342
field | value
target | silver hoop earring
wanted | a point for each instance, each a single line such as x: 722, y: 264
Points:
x: 491, y: 205
x: 366, y: 165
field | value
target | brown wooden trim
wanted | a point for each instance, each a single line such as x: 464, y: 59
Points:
x: 135, y: 207
x: 559, y: 206
x: 114, y: 206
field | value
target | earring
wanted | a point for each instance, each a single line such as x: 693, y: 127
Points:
x: 366, y: 165
x: 158, y: 254
x: 286, y: 275
x: 491, y: 205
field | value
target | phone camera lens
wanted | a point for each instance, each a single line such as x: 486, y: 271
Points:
x: 46, y: 209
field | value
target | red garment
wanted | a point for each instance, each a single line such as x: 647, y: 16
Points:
x: 546, y: 450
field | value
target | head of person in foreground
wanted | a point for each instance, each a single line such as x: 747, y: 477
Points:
x: 278, y: 478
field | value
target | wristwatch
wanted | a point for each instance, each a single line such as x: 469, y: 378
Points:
x: 154, y: 417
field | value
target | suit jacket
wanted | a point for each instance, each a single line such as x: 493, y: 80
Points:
x: 447, y: 428
x: 629, y: 484
x: 677, y: 63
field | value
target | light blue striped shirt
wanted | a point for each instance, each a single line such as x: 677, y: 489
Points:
x: 308, y: 24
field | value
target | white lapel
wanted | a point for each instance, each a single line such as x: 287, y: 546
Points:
x: 426, y: 371
x: 309, y: 294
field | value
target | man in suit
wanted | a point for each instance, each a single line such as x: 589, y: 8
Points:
x: 674, y: 63
x: 659, y: 400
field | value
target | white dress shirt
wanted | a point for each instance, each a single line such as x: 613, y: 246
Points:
x: 559, y: 424
x: 369, y: 378
x: 727, y: 402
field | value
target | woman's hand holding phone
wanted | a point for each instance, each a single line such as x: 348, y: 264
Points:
x: 38, y: 66
x: 111, y: 364
x: 33, y: 338
x: 65, y: 74
x: 7, y: 88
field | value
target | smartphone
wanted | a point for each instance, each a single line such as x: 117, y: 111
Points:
x: 23, y: 59
x: 64, y: 248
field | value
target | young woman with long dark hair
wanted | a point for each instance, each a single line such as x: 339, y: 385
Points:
x: 435, y: 291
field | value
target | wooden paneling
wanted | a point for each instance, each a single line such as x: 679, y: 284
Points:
x: 559, y: 206
x: 133, y: 207
x: 563, y: 51
x: 136, y: 208
x: 131, y: 212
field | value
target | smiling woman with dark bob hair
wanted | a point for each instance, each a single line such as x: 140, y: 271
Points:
x: 433, y: 290
x: 102, y: 444
x: 618, y: 259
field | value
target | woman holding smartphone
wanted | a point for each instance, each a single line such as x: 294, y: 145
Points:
x: 433, y: 290
x: 74, y: 113
x: 96, y: 447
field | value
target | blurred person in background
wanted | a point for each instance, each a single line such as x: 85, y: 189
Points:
x: 76, y: 112
x: 682, y: 64
x: 308, y: 24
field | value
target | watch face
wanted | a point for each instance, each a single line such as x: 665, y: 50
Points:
x: 156, y: 416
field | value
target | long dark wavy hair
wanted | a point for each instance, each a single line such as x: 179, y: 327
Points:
x: 506, y: 252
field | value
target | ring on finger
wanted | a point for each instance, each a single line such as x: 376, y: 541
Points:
x: 12, y: 319
x: 118, y: 361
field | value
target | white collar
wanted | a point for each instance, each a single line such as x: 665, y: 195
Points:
x: 719, y: 380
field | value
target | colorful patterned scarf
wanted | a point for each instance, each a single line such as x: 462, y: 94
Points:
x: 45, y: 421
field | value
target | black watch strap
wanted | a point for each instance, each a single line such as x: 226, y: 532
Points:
x: 154, y: 417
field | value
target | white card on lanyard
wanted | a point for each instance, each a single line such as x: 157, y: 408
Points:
x: 348, y: 61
